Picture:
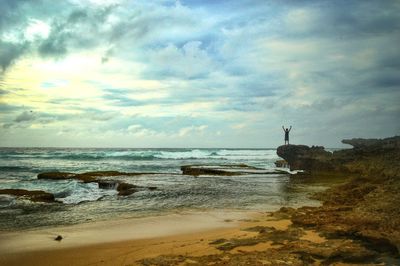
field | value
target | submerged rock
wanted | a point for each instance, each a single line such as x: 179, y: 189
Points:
x: 86, y: 177
x: 33, y: 195
x: 123, y: 188
x: 196, y: 171
x: 56, y: 175
x: 58, y: 238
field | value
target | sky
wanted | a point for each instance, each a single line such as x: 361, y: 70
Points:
x: 197, y: 73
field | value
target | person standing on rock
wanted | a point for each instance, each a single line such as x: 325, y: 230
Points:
x: 287, y: 130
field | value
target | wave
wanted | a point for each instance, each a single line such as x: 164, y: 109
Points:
x: 173, y: 154
x: 81, y: 192
x: 14, y: 168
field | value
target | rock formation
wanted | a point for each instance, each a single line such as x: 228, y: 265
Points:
x: 33, y: 195
x: 123, y: 188
x: 367, y: 157
x: 366, y: 206
x: 226, y: 170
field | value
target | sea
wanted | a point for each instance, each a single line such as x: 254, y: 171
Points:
x: 176, y: 193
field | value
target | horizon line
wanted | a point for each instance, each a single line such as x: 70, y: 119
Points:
x: 72, y: 147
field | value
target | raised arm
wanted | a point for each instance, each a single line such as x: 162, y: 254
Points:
x: 283, y: 128
x: 290, y: 128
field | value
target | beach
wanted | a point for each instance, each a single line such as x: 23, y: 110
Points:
x: 124, y: 242
x: 165, y: 209
x: 341, y: 210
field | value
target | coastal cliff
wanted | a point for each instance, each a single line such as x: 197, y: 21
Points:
x: 368, y: 157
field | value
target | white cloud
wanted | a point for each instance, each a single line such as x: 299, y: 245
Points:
x: 192, y: 130
x: 37, y: 29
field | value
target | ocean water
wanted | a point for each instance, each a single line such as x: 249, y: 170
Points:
x: 175, y: 192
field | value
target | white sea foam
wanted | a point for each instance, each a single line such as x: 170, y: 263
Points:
x: 81, y: 192
x: 189, y: 154
x: 19, y: 169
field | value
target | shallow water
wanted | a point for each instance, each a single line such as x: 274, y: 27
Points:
x: 175, y: 192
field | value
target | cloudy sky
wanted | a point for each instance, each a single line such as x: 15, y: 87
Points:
x: 197, y: 73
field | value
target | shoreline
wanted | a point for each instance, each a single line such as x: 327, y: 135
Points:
x: 133, y: 239
x: 357, y: 223
x: 121, y: 229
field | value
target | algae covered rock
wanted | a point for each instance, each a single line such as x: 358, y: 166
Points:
x: 33, y: 195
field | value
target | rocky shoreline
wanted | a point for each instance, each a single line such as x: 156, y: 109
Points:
x: 358, y: 220
x: 108, y: 179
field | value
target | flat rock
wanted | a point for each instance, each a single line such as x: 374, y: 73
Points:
x: 55, y: 175
x: 226, y: 170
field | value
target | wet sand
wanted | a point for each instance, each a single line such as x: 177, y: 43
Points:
x: 124, y: 242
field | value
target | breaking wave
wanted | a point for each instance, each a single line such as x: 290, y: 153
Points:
x: 146, y: 154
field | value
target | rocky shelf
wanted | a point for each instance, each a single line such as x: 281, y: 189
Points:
x: 227, y: 170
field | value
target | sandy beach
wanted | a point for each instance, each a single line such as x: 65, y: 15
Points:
x: 124, y: 242
x: 356, y: 223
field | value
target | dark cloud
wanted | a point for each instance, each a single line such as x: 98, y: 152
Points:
x: 345, y: 19
x: 6, y: 108
x: 10, y: 12
x: 9, y: 52
x: 25, y: 117
x: 13, y: 17
x: 386, y: 81
x: 72, y: 28
x: 77, y: 16
x: 55, y: 45
x: 77, y: 30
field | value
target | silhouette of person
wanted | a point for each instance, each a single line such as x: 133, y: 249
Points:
x: 287, y: 130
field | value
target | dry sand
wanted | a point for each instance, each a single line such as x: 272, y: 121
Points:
x: 124, y: 242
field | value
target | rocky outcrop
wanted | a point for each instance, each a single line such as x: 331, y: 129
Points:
x: 226, y: 170
x: 365, y: 208
x: 302, y: 157
x: 33, y: 195
x: 368, y: 157
x: 373, y: 145
x: 123, y: 188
